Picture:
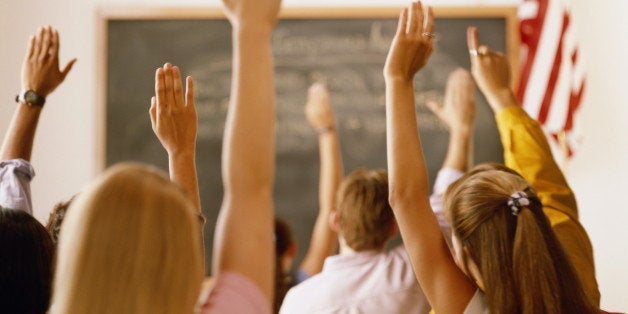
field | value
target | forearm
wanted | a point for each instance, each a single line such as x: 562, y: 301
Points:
x: 249, y: 140
x: 406, y: 165
x: 245, y: 224
x: 18, y: 142
x: 324, y: 241
x: 183, y: 172
x: 459, y: 150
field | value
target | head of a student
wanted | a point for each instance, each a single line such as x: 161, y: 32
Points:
x: 511, y: 253
x: 286, y: 252
x: 130, y: 243
x: 26, y: 263
x: 363, y: 217
x: 286, y: 247
x: 57, y: 215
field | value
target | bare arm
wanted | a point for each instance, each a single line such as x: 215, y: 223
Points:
x: 433, y: 264
x: 324, y: 240
x: 526, y: 149
x: 458, y: 113
x: 40, y: 73
x: 174, y: 121
x: 244, y: 234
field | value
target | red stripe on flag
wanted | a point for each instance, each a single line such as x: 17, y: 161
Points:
x: 531, y: 36
x: 574, y: 104
x: 551, y: 84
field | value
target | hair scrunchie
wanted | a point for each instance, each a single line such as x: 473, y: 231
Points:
x: 518, y: 201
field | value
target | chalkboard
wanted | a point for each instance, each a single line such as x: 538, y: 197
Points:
x: 346, y: 49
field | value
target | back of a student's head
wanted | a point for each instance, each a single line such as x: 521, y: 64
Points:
x: 130, y: 243
x: 55, y: 220
x: 500, y: 228
x: 26, y: 263
x: 285, y: 252
x: 365, y: 218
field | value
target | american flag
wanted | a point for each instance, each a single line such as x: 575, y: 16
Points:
x: 552, y: 81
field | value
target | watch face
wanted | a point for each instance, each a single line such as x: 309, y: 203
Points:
x: 30, y: 97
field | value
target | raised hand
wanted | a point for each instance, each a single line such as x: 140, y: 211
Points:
x: 173, y: 116
x: 412, y: 45
x: 458, y: 111
x: 255, y: 13
x: 491, y: 71
x: 40, y: 69
x: 318, y: 109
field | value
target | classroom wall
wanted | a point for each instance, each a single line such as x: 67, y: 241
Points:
x: 65, y: 145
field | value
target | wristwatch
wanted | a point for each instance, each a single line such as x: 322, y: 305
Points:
x: 30, y: 97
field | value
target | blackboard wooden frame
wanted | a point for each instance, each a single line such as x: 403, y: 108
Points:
x: 106, y: 14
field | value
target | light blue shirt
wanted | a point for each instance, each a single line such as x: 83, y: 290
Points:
x: 15, y: 180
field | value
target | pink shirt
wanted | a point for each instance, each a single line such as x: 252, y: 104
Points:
x: 235, y: 293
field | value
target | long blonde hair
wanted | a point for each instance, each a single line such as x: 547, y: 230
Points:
x: 130, y: 244
x: 523, y: 266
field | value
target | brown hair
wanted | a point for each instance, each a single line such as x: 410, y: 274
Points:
x: 523, y: 266
x: 365, y: 216
x: 57, y: 215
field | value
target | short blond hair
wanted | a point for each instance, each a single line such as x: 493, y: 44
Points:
x: 130, y: 244
x: 365, y: 215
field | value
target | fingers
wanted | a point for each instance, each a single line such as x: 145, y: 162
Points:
x: 403, y: 22
x: 45, y: 46
x: 178, y: 88
x: 413, y: 22
x: 54, y: 44
x: 429, y: 21
x: 473, y: 40
x: 153, y: 111
x: 38, y: 42
x: 169, y: 84
x: 31, y: 47
x: 68, y: 68
x: 433, y: 106
x: 483, y: 50
x: 189, y: 92
x: 160, y: 89
x: 420, y: 19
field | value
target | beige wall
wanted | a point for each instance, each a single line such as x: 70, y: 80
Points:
x: 65, y: 147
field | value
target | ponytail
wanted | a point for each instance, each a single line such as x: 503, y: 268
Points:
x: 524, y: 268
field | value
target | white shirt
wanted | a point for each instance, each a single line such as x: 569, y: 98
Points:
x: 369, y: 281
x: 363, y: 282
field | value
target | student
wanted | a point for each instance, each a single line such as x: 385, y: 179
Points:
x: 323, y: 242
x: 244, y: 259
x: 40, y: 77
x: 364, y: 277
x: 502, y: 239
x: 130, y: 242
x: 25, y: 246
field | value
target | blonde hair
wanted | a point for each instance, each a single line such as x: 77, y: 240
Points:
x: 130, y: 244
x: 523, y: 266
x: 365, y: 216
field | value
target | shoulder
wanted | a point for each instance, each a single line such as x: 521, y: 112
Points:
x: 477, y: 305
x: 235, y: 293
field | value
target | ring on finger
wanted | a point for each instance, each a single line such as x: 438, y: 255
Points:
x: 473, y: 52
x: 429, y: 35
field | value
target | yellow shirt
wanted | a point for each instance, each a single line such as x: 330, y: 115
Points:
x: 526, y: 151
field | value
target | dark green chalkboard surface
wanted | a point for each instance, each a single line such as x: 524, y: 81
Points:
x: 346, y: 51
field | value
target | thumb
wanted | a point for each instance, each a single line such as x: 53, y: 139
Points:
x: 67, y: 68
x: 433, y: 106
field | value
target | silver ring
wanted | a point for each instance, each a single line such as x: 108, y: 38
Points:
x: 429, y: 35
x: 473, y: 52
